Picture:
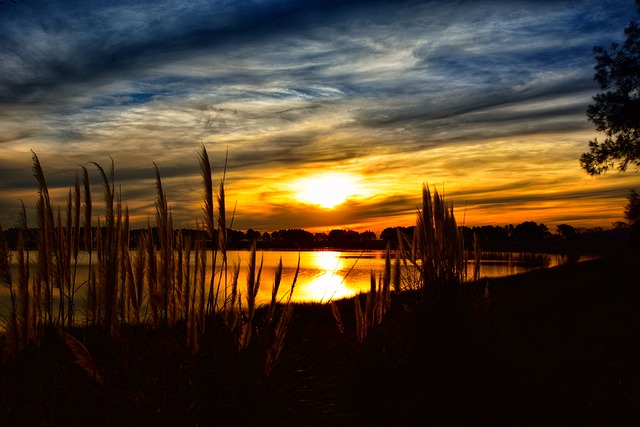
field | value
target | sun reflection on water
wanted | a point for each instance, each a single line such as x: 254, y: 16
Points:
x: 327, y: 261
x: 328, y: 282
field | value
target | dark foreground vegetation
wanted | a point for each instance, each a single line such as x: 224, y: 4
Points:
x: 159, y: 341
x: 552, y: 347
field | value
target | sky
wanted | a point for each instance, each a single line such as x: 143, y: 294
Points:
x: 331, y: 114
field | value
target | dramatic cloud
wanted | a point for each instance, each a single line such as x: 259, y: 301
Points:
x: 485, y: 99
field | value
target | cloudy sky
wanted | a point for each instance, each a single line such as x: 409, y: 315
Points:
x: 484, y: 100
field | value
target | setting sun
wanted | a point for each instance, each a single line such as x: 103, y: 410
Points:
x: 326, y: 190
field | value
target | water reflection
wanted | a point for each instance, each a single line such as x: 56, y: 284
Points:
x: 328, y: 278
x: 501, y: 264
x: 330, y: 275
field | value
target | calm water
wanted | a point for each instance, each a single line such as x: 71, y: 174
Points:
x: 326, y: 275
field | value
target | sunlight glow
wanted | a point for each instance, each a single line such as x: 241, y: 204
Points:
x: 326, y: 190
x: 327, y: 261
x: 326, y: 287
x: 328, y: 283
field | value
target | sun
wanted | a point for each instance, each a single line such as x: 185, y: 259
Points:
x: 326, y: 190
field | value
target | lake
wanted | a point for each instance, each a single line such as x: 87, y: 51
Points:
x: 330, y: 275
x: 327, y: 275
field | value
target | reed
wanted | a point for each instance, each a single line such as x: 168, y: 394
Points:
x: 24, y: 298
x: 223, y: 244
x: 209, y: 225
x: 165, y: 241
x: 110, y: 246
x: 152, y: 284
x: 46, y: 245
x: 274, y: 293
x: 124, y: 239
x: 254, y: 273
x: 74, y: 206
x: 275, y: 341
x: 155, y: 294
x: 361, y: 322
x: 437, y: 250
x: 156, y: 288
x: 337, y: 317
x: 476, y: 257
x: 6, y: 280
x: 274, y: 349
x: 191, y: 318
x: 178, y: 288
x: 88, y: 239
x: 234, y: 300
x: 200, y: 295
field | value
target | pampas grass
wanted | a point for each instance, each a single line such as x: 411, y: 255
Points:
x: 208, y: 220
x: 7, y: 281
x: 164, y: 229
x: 254, y: 273
x: 24, y: 297
x: 46, y: 245
x: 211, y: 335
x: 109, y: 250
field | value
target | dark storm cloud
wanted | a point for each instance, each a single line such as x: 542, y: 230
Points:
x: 56, y: 44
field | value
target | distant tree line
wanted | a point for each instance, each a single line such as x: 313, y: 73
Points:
x: 489, y: 237
x: 285, y: 239
x: 495, y: 237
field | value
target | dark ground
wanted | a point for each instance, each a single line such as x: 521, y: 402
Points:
x: 566, y: 344
x: 553, y: 347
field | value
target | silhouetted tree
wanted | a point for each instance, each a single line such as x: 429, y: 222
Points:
x: 353, y: 236
x: 337, y: 236
x: 566, y: 232
x: 491, y: 235
x: 632, y: 214
x: 620, y: 225
x: 390, y: 234
x: 616, y: 111
x: 320, y: 237
x: 632, y: 209
x: 251, y: 235
x: 368, y: 235
x: 529, y: 231
x: 295, y: 235
x: 235, y: 235
x: 467, y: 236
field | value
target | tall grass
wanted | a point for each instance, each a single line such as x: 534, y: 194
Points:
x: 7, y: 281
x: 156, y: 284
x: 47, y: 244
x: 159, y: 283
x: 25, y: 322
x: 434, y: 259
x: 182, y: 288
